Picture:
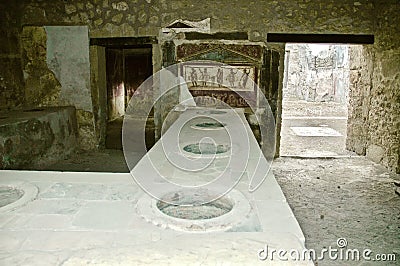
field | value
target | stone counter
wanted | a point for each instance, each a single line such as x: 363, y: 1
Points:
x: 36, y: 137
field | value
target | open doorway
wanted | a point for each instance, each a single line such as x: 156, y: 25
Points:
x: 126, y: 69
x: 315, y: 100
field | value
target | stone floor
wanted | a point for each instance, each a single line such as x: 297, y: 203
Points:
x: 351, y: 198
x: 314, y: 129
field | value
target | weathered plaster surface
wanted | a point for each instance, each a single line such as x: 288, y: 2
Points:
x: 57, y: 73
x: 41, y: 86
x: 68, y: 58
x: 361, y: 68
x: 36, y: 137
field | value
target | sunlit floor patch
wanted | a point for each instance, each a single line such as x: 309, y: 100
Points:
x: 315, y: 132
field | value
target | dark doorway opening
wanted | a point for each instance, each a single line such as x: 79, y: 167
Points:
x: 127, y: 68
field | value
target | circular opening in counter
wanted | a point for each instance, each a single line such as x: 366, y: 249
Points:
x: 208, y: 125
x: 206, y: 148
x: 184, y: 207
x: 195, y: 211
x: 16, y: 193
x: 9, y: 195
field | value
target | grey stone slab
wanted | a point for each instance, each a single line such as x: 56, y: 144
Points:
x: 52, y: 206
x: 104, y: 215
x: 76, y: 191
x: 11, y: 240
x: 39, y: 222
x: 5, y: 218
x: 49, y: 241
x: 122, y: 192
x: 199, y: 249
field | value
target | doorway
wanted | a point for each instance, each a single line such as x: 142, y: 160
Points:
x: 126, y: 69
x: 315, y: 100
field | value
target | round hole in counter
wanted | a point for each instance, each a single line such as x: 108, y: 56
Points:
x: 208, y: 125
x: 16, y: 193
x: 185, y: 206
x: 9, y: 195
x: 206, y: 148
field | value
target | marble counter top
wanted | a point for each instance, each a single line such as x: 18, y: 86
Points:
x: 80, y: 218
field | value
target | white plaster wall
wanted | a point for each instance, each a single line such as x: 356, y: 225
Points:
x: 68, y: 58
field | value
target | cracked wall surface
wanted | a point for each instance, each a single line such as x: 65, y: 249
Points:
x: 57, y: 73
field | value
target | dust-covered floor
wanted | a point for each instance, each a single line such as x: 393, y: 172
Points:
x: 351, y: 198
x: 324, y: 126
x: 344, y: 197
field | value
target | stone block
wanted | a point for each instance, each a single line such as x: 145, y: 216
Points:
x: 375, y: 153
x: 104, y: 215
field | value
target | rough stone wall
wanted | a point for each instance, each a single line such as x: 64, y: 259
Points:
x: 296, y: 65
x: 11, y: 79
x: 374, y: 118
x: 384, y: 114
x: 361, y: 69
x: 108, y: 18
